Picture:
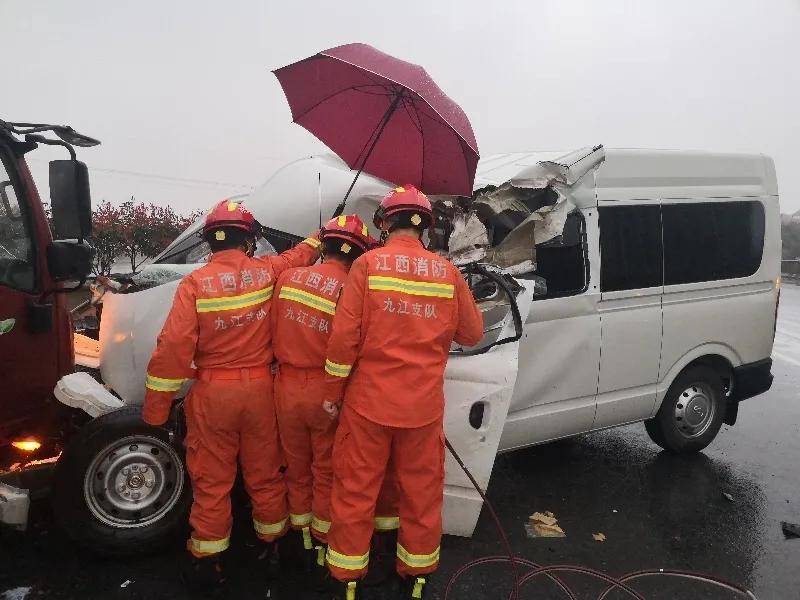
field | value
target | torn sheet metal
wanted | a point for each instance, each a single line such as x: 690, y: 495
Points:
x: 566, y: 170
x: 481, y: 385
x: 468, y: 240
x: 528, y: 210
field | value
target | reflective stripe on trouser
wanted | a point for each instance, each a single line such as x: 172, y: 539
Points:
x: 361, y: 453
x: 226, y: 420
x: 203, y: 548
x: 307, y: 435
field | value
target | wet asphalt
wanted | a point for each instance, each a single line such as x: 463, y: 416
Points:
x: 718, y: 512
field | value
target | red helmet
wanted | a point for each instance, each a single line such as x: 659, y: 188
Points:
x: 229, y: 213
x: 351, y: 229
x: 405, y: 198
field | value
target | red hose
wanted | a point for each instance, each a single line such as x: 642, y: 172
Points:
x: 535, y: 570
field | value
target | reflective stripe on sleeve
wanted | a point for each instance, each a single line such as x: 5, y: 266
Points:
x: 210, y: 546
x: 348, y: 562
x: 163, y: 384
x: 270, y: 528
x: 300, y: 520
x: 337, y: 370
x: 205, y: 305
x: 313, y: 242
x: 418, y: 561
x: 387, y: 523
x: 408, y: 286
x: 318, y: 524
x: 308, y: 299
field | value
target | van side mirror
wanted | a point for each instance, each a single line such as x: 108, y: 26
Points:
x: 70, y: 199
x: 69, y: 261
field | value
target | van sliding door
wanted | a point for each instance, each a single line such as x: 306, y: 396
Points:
x: 632, y: 285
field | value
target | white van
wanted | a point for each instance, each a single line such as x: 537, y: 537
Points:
x: 662, y: 285
x: 664, y: 308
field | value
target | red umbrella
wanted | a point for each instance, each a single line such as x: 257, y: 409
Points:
x: 384, y: 116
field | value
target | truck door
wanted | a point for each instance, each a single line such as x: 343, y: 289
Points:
x: 631, y: 280
x: 28, y: 359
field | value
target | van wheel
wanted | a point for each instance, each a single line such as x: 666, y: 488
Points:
x: 121, y: 486
x: 692, y: 412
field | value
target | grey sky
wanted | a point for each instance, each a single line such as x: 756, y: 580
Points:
x: 183, y: 88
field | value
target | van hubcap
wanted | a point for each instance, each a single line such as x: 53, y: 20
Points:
x: 694, y: 410
x: 134, y: 482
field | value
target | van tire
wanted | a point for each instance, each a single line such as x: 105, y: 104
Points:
x: 692, y: 412
x: 95, y: 479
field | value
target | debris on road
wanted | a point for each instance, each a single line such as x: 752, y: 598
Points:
x: 19, y: 593
x: 790, y: 530
x: 543, y: 525
x: 599, y: 537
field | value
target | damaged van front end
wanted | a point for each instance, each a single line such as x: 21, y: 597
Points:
x: 491, y: 236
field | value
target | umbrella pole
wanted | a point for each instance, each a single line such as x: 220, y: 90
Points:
x: 384, y: 122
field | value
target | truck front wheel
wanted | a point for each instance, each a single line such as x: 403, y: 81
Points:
x: 121, y: 486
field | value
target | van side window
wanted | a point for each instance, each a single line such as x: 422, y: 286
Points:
x: 563, y: 260
x: 710, y: 241
x: 16, y: 241
x: 631, y: 253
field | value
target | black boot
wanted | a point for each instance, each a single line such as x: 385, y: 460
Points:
x: 293, y: 551
x: 204, y: 576
x: 318, y: 571
x: 345, y: 590
x: 266, y: 566
x: 382, y: 558
x: 415, y: 588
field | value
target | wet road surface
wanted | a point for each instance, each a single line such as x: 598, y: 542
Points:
x: 718, y: 512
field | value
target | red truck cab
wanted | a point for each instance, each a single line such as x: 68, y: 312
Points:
x: 36, y: 345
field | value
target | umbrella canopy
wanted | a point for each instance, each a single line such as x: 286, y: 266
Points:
x: 384, y: 116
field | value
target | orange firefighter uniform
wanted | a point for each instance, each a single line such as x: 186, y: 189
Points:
x: 400, y: 310
x: 303, y: 307
x: 220, y: 324
x: 302, y: 314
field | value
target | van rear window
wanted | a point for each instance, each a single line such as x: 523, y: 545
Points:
x: 710, y: 241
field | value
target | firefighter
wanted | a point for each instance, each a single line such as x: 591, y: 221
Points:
x: 220, y: 324
x: 400, y: 310
x: 302, y: 314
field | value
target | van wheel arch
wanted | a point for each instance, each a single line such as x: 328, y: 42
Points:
x: 694, y: 407
x: 722, y: 365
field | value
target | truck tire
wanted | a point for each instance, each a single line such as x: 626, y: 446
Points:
x: 121, y: 486
x: 692, y: 412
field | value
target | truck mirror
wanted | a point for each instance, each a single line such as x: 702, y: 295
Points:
x: 69, y: 261
x: 70, y: 199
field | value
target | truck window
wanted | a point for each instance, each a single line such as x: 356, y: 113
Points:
x: 16, y: 241
x: 710, y: 241
x: 631, y: 253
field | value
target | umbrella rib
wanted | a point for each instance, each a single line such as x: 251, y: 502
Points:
x: 356, y: 88
x: 370, y: 138
x: 418, y: 123
x: 422, y: 138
